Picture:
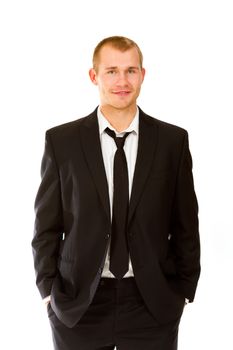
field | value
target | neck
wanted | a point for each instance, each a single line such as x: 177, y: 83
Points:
x: 120, y: 119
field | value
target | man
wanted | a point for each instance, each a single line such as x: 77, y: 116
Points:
x: 116, y: 243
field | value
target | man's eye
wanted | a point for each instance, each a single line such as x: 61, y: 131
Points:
x: 111, y: 71
x: 131, y: 71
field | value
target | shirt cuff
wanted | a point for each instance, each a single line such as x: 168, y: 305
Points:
x: 47, y: 299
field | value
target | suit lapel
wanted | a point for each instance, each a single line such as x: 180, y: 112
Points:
x: 146, y: 150
x: 92, y: 149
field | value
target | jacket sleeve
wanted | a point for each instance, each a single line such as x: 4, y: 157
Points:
x: 185, y: 228
x: 48, y: 227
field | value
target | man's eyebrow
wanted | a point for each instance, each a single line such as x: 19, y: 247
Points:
x: 107, y: 68
x: 115, y: 67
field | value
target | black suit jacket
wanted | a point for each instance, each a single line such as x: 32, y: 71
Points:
x: 73, y: 226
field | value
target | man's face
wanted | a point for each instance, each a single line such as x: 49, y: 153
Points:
x: 118, y: 77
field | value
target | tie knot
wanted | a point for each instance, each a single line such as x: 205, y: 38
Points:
x: 120, y: 141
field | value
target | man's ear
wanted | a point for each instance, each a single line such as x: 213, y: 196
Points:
x: 143, y: 74
x: 93, y: 76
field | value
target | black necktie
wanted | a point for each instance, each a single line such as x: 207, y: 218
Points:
x: 119, y: 252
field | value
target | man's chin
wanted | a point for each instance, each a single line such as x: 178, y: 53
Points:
x: 121, y: 105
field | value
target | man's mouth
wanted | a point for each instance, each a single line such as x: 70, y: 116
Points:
x: 121, y: 92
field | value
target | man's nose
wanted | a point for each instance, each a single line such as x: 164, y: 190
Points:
x: 122, y: 78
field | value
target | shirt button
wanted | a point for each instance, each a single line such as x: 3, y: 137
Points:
x: 107, y: 236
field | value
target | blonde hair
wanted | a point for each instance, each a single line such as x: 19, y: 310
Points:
x: 118, y: 42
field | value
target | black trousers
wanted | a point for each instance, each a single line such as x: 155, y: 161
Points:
x: 116, y: 318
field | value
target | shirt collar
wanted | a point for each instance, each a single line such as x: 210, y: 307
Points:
x: 104, y: 123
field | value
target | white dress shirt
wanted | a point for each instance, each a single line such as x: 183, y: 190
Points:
x: 109, y: 148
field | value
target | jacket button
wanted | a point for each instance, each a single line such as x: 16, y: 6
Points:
x: 107, y: 236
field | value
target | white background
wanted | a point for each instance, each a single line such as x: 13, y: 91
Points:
x: 46, y: 49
